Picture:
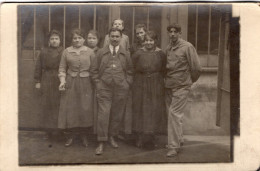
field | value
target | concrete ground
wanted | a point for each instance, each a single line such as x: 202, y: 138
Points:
x: 34, y: 150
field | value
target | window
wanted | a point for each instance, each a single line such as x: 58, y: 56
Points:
x: 203, y: 32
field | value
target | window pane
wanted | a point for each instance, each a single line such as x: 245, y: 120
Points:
x: 140, y: 15
x: 87, y: 17
x: 192, y: 24
x: 42, y: 26
x: 155, y: 14
x: 203, y: 26
x: 72, y: 22
x: 126, y: 14
x: 27, y: 26
x: 214, y: 35
x: 102, y: 22
x: 57, y: 18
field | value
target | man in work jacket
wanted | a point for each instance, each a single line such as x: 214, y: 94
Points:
x: 111, y: 72
x: 183, y: 69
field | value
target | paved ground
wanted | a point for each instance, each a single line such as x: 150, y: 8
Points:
x: 34, y: 150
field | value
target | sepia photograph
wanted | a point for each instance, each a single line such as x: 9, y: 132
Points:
x: 127, y: 83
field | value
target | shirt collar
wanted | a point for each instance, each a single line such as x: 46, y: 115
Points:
x: 176, y: 45
x: 77, y: 50
x: 111, y: 48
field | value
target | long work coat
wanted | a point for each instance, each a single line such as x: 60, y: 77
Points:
x: 46, y: 71
x: 76, y: 108
x: 148, y: 91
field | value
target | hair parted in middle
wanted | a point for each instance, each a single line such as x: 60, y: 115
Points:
x: 152, y: 35
x: 78, y: 32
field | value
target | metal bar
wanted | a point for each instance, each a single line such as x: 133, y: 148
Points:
x: 79, y: 17
x: 148, y: 13
x: 95, y: 17
x: 133, y: 27
x: 196, y: 28
x: 49, y: 18
x: 209, y: 35
x: 64, y: 26
x: 34, y: 32
x: 119, y: 12
x: 219, y: 38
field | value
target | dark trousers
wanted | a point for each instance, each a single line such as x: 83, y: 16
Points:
x: 111, y: 105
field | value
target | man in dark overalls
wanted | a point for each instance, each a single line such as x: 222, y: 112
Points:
x: 183, y: 69
x: 111, y: 72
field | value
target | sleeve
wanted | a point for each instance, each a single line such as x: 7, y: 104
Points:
x: 94, y: 67
x: 135, y: 57
x: 106, y: 41
x: 129, y: 68
x: 164, y: 61
x: 128, y: 47
x: 63, y: 67
x: 194, y: 63
x: 38, y: 68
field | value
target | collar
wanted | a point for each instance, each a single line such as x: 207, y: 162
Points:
x: 111, y: 48
x: 155, y: 50
x: 176, y: 45
x: 77, y: 50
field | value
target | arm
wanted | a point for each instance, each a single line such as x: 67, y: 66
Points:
x: 128, y: 47
x: 38, y: 69
x: 194, y: 63
x: 94, y: 67
x: 164, y: 61
x: 62, y: 70
x: 129, y: 68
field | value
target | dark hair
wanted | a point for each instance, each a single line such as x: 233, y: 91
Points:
x: 52, y: 32
x: 78, y: 32
x: 139, y: 26
x: 113, y: 30
x: 174, y: 25
x: 94, y: 32
x: 152, y: 35
x: 118, y: 19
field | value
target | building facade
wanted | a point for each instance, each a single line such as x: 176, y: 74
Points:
x: 205, y: 26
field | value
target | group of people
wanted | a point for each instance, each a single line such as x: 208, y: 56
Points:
x: 85, y: 85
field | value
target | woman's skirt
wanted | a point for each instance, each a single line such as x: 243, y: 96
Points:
x: 76, y: 105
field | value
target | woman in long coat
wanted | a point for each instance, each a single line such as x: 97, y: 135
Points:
x: 148, y: 89
x: 76, y: 108
x: 45, y: 75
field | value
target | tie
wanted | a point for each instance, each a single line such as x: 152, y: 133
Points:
x: 114, y: 51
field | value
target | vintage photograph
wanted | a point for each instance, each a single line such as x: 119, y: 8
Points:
x: 127, y: 83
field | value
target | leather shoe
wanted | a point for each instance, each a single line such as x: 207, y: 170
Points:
x: 69, y: 142
x: 113, y: 142
x: 172, y: 153
x: 99, y: 149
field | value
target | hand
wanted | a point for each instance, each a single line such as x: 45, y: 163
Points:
x: 62, y: 86
x: 38, y: 85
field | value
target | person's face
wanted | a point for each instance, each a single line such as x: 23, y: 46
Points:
x: 115, y: 38
x: 149, y: 43
x: 118, y: 24
x: 54, y: 40
x: 140, y: 33
x: 77, y: 41
x: 92, y: 40
x: 174, y: 35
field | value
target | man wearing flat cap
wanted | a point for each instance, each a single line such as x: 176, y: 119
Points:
x: 183, y: 69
